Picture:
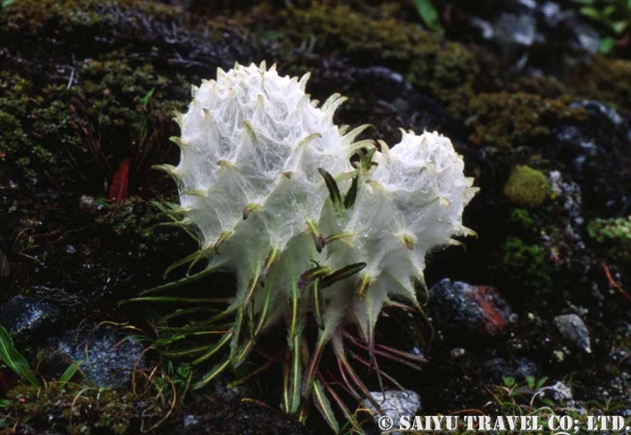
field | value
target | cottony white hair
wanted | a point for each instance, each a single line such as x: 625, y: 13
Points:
x: 255, y: 153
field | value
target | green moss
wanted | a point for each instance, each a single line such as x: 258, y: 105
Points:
x: 614, y: 234
x: 444, y: 69
x: 21, y: 129
x: 522, y: 218
x: 68, y: 125
x: 83, y: 130
x: 515, y: 119
x: 543, y: 85
x: 525, y: 265
x: 78, y: 409
x: 133, y: 221
x: 605, y: 79
x: 526, y: 186
x: 71, y: 16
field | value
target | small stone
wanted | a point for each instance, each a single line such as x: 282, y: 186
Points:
x: 395, y: 403
x: 515, y: 29
x: 573, y: 329
x: 558, y: 393
x: 87, y: 202
x: 457, y: 352
x: 189, y: 420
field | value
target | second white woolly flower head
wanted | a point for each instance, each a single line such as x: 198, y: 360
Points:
x: 252, y: 145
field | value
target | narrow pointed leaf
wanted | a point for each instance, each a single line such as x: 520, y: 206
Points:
x: 214, y: 349
x: 317, y: 305
x: 295, y: 376
x: 14, y: 359
x: 69, y: 373
x: 216, y: 371
x: 341, y: 274
x: 334, y: 191
x: 351, y: 195
x: 174, y: 299
x: 324, y: 406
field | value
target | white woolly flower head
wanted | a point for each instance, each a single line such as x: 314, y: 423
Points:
x: 243, y: 134
x: 266, y: 180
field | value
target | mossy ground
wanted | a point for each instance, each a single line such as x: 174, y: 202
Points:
x: 86, y: 86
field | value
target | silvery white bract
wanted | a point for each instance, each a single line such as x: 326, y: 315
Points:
x: 259, y: 178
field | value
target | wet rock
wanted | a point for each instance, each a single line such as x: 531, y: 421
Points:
x: 573, y: 329
x: 25, y: 317
x: 108, y: 356
x: 460, y: 310
x: 395, y: 403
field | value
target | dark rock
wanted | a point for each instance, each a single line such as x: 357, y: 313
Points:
x: 597, y: 146
x: 26, y: 317
x: 108, y: 356
x: 540, y: 34
x: 242, y: 418
x: 573, y: 329
x: 462, y: 310
x: 518, y: 368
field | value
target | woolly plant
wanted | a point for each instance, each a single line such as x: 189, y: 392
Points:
x: 316, y: 242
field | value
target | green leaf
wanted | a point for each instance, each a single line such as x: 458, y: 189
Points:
x: 351, y: 195
x: 593, y: 13
x: 216, y: 371
x: 508, y: 381
x: 334, y: 191
x: 620, y: 26
x: 6, y: 3
x: 341, y: 274
x: 69, y: 373
x: 295, y: 376
x: 147, y: 97
x: 317, y: 305
x: 530, y: 380
x: 214, y: 349
x: 428, y: 14
x: 174, y: 299
x: 606, y: 45
x: 324, y: 406
x: 548, y: 402
x: 14, y: 359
